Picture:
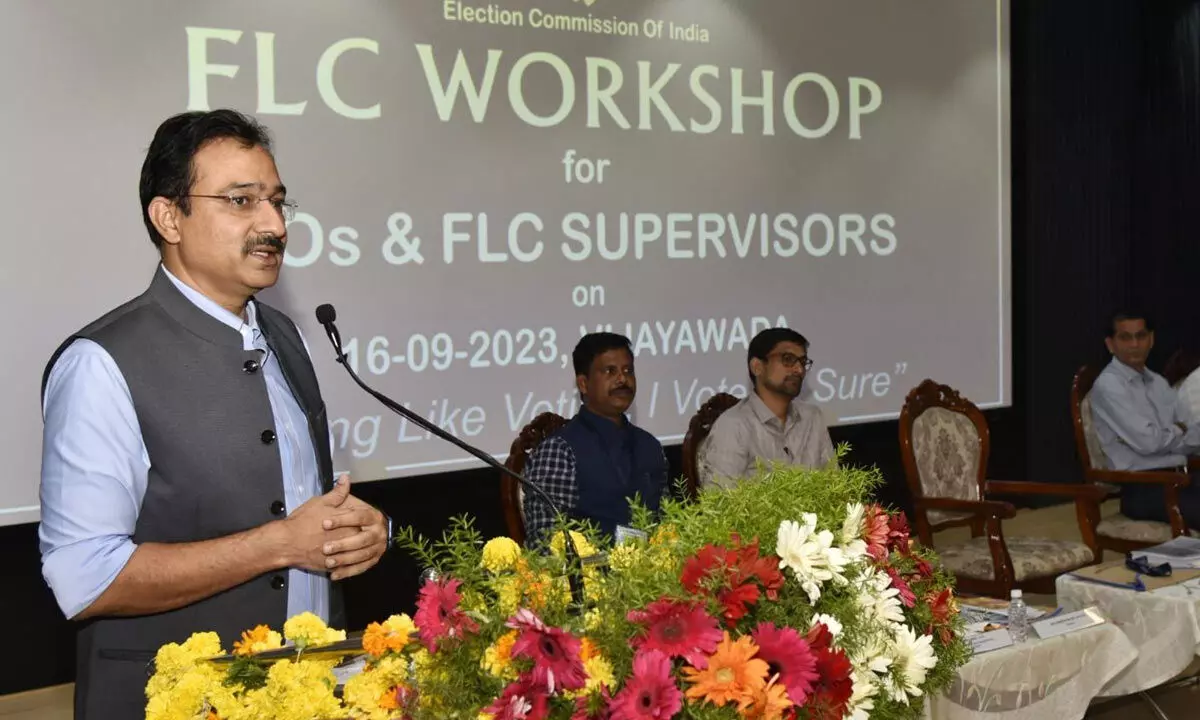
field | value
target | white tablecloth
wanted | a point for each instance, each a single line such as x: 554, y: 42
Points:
x: 1163, y: 624
x: 1054, y: 678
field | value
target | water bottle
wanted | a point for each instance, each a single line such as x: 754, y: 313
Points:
x: 1018, y: 623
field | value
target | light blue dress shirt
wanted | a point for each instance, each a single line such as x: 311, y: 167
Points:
x: 95, y: 468
x: 1135, y: 420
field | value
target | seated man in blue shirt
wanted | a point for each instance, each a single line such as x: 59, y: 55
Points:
x: 1133, y: 408
x: 599, y: 461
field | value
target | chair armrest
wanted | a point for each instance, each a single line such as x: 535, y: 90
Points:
x: 1140, y: 477
x: 1084, y: 491
x: 985, y: 508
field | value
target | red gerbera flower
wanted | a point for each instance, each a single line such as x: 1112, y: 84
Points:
x: 438, y: 615
x: 876, y: 532
x: 831, y: 695
x: 555, y: 653
x: 651, y: 692
x: 789, y: 657
x: 898, y: 532
x: 943, y: 611
x: 677, y: 630
x: 523, y: 699
x: 819, y: 638
x: 733, y: 576
x: 907, y: 597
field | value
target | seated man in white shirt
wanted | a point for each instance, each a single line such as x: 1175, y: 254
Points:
x: 770, y: 423
x: 1134, y: 409
x: 1183, y: 373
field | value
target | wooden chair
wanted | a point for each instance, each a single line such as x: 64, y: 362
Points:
x: 697, y: 432
x: 1118, y: 532
x: 944, y: 442
x: 512, y: 495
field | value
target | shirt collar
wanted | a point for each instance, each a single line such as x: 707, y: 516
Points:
x: 602, y: 424
x: 1127, y: 373
x: 210, y: 307
x: 765, y: 414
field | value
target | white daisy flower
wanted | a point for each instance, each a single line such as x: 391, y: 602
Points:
x: 854, y: 547
x: 878, y: 599
x: 810, y: 554
x: 913, y: 658
x: 835, y: 627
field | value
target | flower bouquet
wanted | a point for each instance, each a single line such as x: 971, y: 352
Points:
x: 787, y: 596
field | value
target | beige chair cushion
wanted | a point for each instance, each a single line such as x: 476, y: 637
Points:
x: 946, y: 448
x: 1123, y: 528
x: 1095, y: 452
x: 1031, y: 557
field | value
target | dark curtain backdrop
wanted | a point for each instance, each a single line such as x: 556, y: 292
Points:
x: 1106, y: 181
x: 1106, y: 193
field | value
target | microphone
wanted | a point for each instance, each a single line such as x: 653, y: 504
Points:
x: 326, y: 315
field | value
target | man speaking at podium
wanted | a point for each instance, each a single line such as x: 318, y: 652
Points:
x: 187, y: 482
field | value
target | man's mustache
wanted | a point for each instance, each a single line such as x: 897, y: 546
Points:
x: 266, y: 242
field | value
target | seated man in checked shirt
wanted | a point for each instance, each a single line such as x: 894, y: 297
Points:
x: 598, y: 461
x: 771, y: 423
x: 1134, y: 410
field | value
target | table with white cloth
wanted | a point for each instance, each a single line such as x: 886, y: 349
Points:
x: 1053, y: 678
x: 1163, y: 624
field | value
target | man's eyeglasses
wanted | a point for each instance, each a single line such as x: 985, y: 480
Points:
x: 246, y: 204
x: 790, y: 361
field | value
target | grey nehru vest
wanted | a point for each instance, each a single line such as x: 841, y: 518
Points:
x: 215, y: 469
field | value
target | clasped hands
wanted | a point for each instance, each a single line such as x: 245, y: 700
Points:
x: 336, y: 533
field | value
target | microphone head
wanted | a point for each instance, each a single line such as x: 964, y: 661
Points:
x: 326, y: 314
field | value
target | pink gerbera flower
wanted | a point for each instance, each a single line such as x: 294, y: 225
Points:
x: 523, y: 699
x: 651, y: 692
x: 788, y: 656
x: 907, y: 597
x: 677, y: 630
x: 438, y: 616
x: 555, y: 652
x: 876, y: 531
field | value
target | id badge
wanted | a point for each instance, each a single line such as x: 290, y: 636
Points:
x: 625, y: 534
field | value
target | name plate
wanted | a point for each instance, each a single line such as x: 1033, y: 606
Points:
x: 989, y: 641
x: 1069, y: 622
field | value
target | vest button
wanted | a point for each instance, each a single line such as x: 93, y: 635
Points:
x: 250, y: 367
x: 277, y: 582
x: 268, y: 437
x: 277, y: 507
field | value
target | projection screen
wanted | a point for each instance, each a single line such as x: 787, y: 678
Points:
x: 479, y: 183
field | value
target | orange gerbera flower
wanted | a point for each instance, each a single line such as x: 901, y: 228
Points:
x: 250, y: 638
x: 587, y: 649
x: 769, y: 703
x: 732, y: 675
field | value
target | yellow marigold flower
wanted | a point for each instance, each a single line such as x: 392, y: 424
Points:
x: 259, y: 639
x: 593, y: 620
x: 599, y: 673
x: 308, y: 630
x: 558, y: 543
x: 623, y: 557
x: 665, y: 535
x: 508, y: 591
x: 500, y: 554
x: 497, y: 659
x: 301, y: 689
x: 364, y: 691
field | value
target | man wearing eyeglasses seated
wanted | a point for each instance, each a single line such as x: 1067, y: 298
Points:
x: 1134, y: 409
x: 770, y: 423
x: 187, y: 482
